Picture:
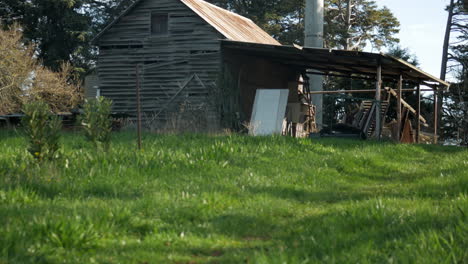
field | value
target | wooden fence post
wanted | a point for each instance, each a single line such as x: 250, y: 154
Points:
x: 138, y: 105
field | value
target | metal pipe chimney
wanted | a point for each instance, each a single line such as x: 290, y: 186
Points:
x: 314, y: 16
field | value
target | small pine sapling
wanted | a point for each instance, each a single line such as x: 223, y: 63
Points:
x: 97, y: 122
x: 42, y: 129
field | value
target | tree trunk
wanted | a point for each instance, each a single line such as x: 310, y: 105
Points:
x: 448, y: 30
x: 445, y: 51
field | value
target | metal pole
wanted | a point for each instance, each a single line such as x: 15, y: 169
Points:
x: 378, y: 112
x: 418, y: 122
x: 399, y: 114
x: 436, y: 115
x: 314, y: 21
x: 138, y: 105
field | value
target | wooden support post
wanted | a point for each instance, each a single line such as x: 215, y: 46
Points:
x: 399, y: 114
x: 418, y: 116
x: 378, y: 95
x: 138, y: 104
x: 436, y: 115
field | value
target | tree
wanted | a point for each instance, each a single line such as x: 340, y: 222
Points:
x: 455, y: 61
x: 23, y: 79
x: 15, y: 66
x: 58, y: 29
x: 348, y: 24
x: 352, y: 24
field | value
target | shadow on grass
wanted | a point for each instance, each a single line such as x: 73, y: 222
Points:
x: 178, y: 253
x: 111, y: 191
x: 50, y: 189
x: 347, y: 144
x: 423, y: 190
x: 244, y: 226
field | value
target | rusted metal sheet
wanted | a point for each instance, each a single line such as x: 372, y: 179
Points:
x: 229, y: 24
x: 338, y: 61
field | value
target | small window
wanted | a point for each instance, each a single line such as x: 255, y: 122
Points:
x: 159, y: 24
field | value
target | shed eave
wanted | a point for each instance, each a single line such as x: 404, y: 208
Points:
x: 352, y: 62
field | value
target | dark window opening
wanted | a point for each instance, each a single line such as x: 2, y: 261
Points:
x: 202, y: 51
x: 159, y: 24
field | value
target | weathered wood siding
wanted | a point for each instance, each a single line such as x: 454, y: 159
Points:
x: 180, y: 67
x: 91, y: 86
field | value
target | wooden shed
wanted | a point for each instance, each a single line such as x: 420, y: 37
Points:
x: 199, y: 66
x: 181, y: 65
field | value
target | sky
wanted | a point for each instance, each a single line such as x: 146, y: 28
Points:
x: 422, y: 29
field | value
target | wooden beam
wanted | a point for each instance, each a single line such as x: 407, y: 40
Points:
x: 378, y: 95
x: 366, y: 91
x: 399, y: 115
x: 406, y: 105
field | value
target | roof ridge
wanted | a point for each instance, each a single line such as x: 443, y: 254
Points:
x: 227, y: 23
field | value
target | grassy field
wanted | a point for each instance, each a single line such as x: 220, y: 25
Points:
x: 234, y: 199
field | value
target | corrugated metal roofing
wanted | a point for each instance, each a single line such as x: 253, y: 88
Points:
x: 341, y: 61
x: 229, y: 24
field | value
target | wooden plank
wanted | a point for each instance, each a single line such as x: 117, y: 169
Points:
x: 365, y: 91
x: 378, y: 114
x: 406, y: 105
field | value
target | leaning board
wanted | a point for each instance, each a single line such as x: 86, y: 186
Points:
x: 268, y: 112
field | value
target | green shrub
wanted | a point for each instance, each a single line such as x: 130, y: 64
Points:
x: 97, y: 122
x: 42, y: 129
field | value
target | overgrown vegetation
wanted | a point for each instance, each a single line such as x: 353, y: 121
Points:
x: 42, y: 129
x: 234, y: 199
x: 23, y: 79
x: 97, y: 122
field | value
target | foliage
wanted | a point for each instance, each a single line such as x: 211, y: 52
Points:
x: 42, y: 130
x: 234, y: 199
x: 15, y: 68
x: 368, y: 24
x: 24, y: 80
x: 57, y: 27
x: 97, y: 122
x: 62, y: 29
x: 455, y: 108
x: 284, y: 19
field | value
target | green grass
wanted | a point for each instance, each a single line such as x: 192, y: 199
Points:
x: 234, y: 199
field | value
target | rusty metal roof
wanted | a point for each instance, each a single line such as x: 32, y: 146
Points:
x: 229, y: 24
x: 341, y: 61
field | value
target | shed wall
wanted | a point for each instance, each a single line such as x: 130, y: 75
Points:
x: 177, y: 70
x: 243, y: 75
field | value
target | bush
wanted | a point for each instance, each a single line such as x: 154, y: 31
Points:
x: 97, y: 122
x: 42, y: 129
x: 23, y: 79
